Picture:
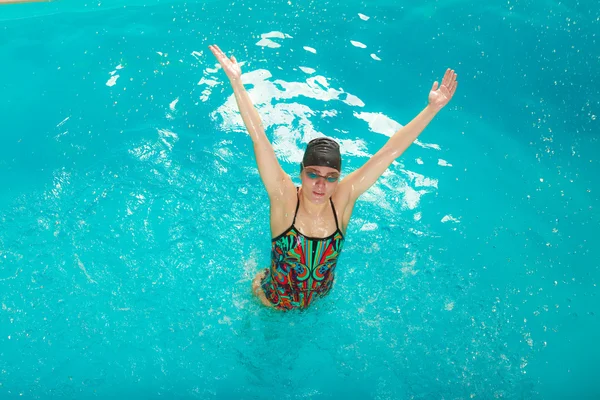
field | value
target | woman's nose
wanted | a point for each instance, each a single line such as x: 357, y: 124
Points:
x: 321, y: 180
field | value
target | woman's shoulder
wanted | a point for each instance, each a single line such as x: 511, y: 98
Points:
x: 282, y: 209
x: 343, y: 208
x: 341, y: 199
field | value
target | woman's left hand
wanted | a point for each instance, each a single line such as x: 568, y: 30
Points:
x: 439, y: 97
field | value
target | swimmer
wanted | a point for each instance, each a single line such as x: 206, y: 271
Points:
x: 308, y: 223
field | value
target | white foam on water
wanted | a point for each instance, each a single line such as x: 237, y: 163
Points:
x: 112, y: 81
x: 173, y: 104
x: 379, y: 123
x: 450, y: 218
x: 369, y: 226
x: 307, y: 70
x: 358, y: 44
x: 266, y: 41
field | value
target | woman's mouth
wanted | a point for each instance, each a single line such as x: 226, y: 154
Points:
x: 317, y: 194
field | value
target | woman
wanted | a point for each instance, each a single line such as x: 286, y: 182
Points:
x: 308, y: 223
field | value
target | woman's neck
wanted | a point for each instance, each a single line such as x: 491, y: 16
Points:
x: 312, y: 208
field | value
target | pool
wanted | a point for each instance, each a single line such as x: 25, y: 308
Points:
x: 132, y: 216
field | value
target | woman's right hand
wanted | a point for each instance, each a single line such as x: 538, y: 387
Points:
x: 230, y: 65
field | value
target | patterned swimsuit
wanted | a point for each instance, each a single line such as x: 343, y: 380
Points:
x: 302, y: 268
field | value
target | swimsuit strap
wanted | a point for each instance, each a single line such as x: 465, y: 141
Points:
x: 334, y: 214
x: 297, y: 206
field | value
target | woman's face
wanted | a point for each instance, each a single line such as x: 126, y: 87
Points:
x: 319, y: 183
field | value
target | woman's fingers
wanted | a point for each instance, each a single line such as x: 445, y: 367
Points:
x: 220, y: 51
x: 214, y: 51
x: 447, y: 77
x: 454, y: 88
x: 217, y: 51
x: 450, y: 80
x: 221, y: 58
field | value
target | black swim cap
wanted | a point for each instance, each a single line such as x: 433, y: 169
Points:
x: 323, y: 152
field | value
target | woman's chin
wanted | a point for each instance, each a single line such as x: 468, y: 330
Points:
x: 318, y: 198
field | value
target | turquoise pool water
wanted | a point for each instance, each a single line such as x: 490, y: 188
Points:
x: 132, y: 217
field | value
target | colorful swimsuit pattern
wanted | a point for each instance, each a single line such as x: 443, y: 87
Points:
x: 302, y: 268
